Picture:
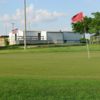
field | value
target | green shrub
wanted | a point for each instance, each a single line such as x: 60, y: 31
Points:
x: 82, y: 40
x: 6, y: 42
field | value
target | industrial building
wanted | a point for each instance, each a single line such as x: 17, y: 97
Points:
x: 39, y: 37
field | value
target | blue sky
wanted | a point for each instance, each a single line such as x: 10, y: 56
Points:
x: 43, y: 14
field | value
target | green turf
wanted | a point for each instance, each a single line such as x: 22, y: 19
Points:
x: 44, y: 49
x: 49, y: 75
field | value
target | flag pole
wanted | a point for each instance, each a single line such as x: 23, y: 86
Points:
x: 25, y: 26
x: 88, y: 51
x: 87, y: 45
x: 79, y: 18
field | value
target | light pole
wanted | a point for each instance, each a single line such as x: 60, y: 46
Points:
x: 13, y: 26
x: 25, y: 26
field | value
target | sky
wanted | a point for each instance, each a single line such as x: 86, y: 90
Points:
x: 51, y: 15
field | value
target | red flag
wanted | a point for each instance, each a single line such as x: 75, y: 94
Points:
x: 78, y: 17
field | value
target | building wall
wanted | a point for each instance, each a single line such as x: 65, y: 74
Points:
x: 55, y: 37
x: 44, y: 35
x: 33, y: 37
x: 32, y: 33
x: 12, y: 39
x: 2, y: 41
x: 71, y: 37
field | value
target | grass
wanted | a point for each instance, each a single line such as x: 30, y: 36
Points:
x: 50, y: 74
x: 36, y: 89
x: 47, y: 48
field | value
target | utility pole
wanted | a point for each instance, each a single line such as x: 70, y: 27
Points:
x: 13, y: 26
x: 25, y: 26
x: 6, y: 31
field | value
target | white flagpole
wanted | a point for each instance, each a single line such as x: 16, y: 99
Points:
x: 87, y: 44
x: 88, y: 51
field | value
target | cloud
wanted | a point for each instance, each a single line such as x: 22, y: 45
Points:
x: 45, y: 16
x: 5, y: 18
x: 33, y: 16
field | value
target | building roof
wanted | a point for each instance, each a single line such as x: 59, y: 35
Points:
x: 60, y: 32
x: 4, y: 36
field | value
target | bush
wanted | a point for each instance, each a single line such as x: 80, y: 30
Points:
x: 82, y: 40
x: 6, y: 42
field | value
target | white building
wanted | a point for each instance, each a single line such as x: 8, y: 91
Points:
x: 34, y: 37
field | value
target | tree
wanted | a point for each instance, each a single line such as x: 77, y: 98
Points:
x: 89, y: 24
x: 83, y: 26
x: 95, y: 24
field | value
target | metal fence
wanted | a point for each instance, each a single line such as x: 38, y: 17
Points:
x: 95, y: 40
x: 41, y: 40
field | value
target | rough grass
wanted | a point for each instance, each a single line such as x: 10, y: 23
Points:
x: 50, y: 75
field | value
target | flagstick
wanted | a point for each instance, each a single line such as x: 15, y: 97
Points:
x: 87, y: 45
x: 80, y: 18
x: 88, y: 51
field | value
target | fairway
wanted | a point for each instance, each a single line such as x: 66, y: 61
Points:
x: 49, y: 76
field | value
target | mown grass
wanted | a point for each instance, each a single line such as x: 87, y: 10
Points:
x: 50, y: 74
x: 44, y: 49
